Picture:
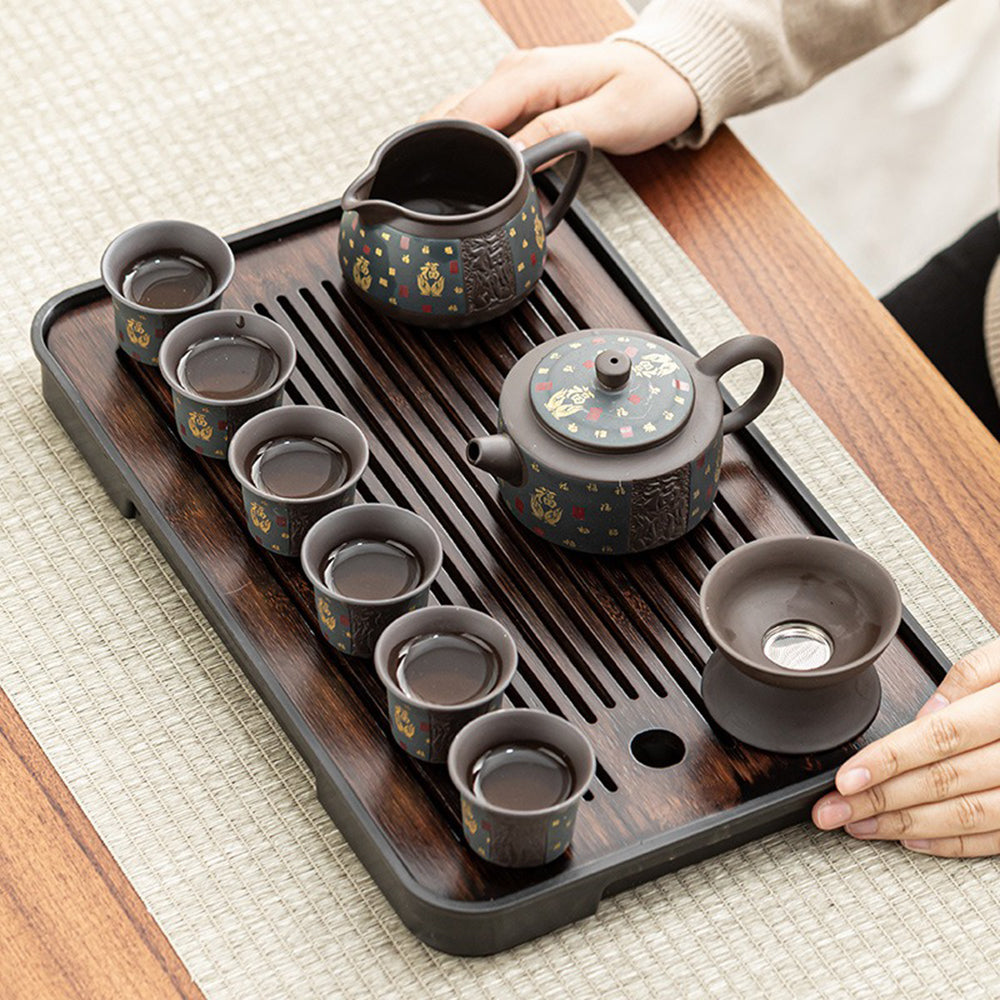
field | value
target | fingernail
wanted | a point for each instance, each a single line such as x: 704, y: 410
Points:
x: 833, y: 814
x: 862, y: 828
x: 934, y: 704
x: 916, y: 845
x: 518, y: 145
x: 854, y: 780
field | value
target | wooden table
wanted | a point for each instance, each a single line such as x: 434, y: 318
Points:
x: 70, y: 922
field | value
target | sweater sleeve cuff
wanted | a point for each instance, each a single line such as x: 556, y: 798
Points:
x: 707, y: 51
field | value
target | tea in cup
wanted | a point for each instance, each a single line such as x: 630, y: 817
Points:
x: 520, y: 774
x: 442, y: 667
x: 223, y: 368
x: 158, y: 275
x: 295, y: 464
x: 369, y: 564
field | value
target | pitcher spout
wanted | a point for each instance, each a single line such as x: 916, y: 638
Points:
x: 372, y: 211
x: 356, y: 195
x: 498, y: 455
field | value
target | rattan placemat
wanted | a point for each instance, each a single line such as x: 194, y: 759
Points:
x: 230, y: 115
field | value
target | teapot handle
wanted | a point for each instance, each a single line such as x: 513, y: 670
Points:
x: 551, y: 149
x: 734, y: 352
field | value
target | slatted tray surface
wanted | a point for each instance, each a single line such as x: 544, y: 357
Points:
x: 615, y: 644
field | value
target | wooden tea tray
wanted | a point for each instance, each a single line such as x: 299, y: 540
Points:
x: 613, y: 644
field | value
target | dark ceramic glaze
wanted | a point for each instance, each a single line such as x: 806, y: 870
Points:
x: 278, y: 523
x: 140, y: 329
x: 768, y: 584
x: 507, y: 837
x: 207, y: 425
x: 421, y: 728
x: 351, y: 625
x: 611, y: 440
x: 443, y: 228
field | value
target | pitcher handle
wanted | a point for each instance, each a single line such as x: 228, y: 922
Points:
x: 551, y: 149
x: 734, y: 352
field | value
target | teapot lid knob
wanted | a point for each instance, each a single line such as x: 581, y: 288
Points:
x: 613, y: 369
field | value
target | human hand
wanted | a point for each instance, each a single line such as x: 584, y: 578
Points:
x: 934, y: 784
x: 623, y: 97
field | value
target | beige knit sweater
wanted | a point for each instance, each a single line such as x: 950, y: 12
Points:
x: 739, y: 55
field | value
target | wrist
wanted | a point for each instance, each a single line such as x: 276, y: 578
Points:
x: 702, y: 47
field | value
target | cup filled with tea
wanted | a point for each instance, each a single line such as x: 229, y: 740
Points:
x: 520, y: 774
x: 442, y: 667
x: 158, y: 275
x: 369, y: 564
x: 223, y: 368
x: 295, y: 464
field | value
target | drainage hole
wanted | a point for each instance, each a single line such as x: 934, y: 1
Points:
x: 657, y: 748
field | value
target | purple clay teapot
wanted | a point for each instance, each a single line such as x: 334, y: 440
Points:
x: 443, y: 228
x: 611, y: 440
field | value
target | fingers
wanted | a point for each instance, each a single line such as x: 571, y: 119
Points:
x: 589, y: 116
x: 963, y: 815
x: 972, y: 673
x: 970, y: 722
x: 973, y: 771
x: 623, y: 97
x: 975, y: 845
x: 616, y: 116
x: 529, y: 82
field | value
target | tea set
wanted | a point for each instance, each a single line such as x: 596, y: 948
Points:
x: 609, y: 442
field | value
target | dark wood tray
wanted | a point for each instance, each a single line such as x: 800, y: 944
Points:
x: 615, y: 645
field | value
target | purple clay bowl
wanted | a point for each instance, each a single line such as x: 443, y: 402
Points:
x: 798, y: 622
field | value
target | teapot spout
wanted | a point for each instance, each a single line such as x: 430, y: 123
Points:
x: 497, y: 455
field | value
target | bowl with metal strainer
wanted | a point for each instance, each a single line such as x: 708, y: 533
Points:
x: 798, y: 623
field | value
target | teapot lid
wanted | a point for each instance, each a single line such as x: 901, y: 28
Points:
x: 612, y: 391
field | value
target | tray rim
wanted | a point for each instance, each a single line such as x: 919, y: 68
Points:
x: 419, y: 907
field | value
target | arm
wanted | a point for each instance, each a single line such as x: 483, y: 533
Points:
x: 680, y: 70
x: 739, y: 55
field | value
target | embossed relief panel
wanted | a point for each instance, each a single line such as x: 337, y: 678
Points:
x: 488, y: 269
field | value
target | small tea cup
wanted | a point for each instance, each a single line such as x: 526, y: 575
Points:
x: 351, y: 624
x: 423, y: 728
x: 207, y: 425
x: 279, y: 523
x: 516, y: 838
x: 141, y: 329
